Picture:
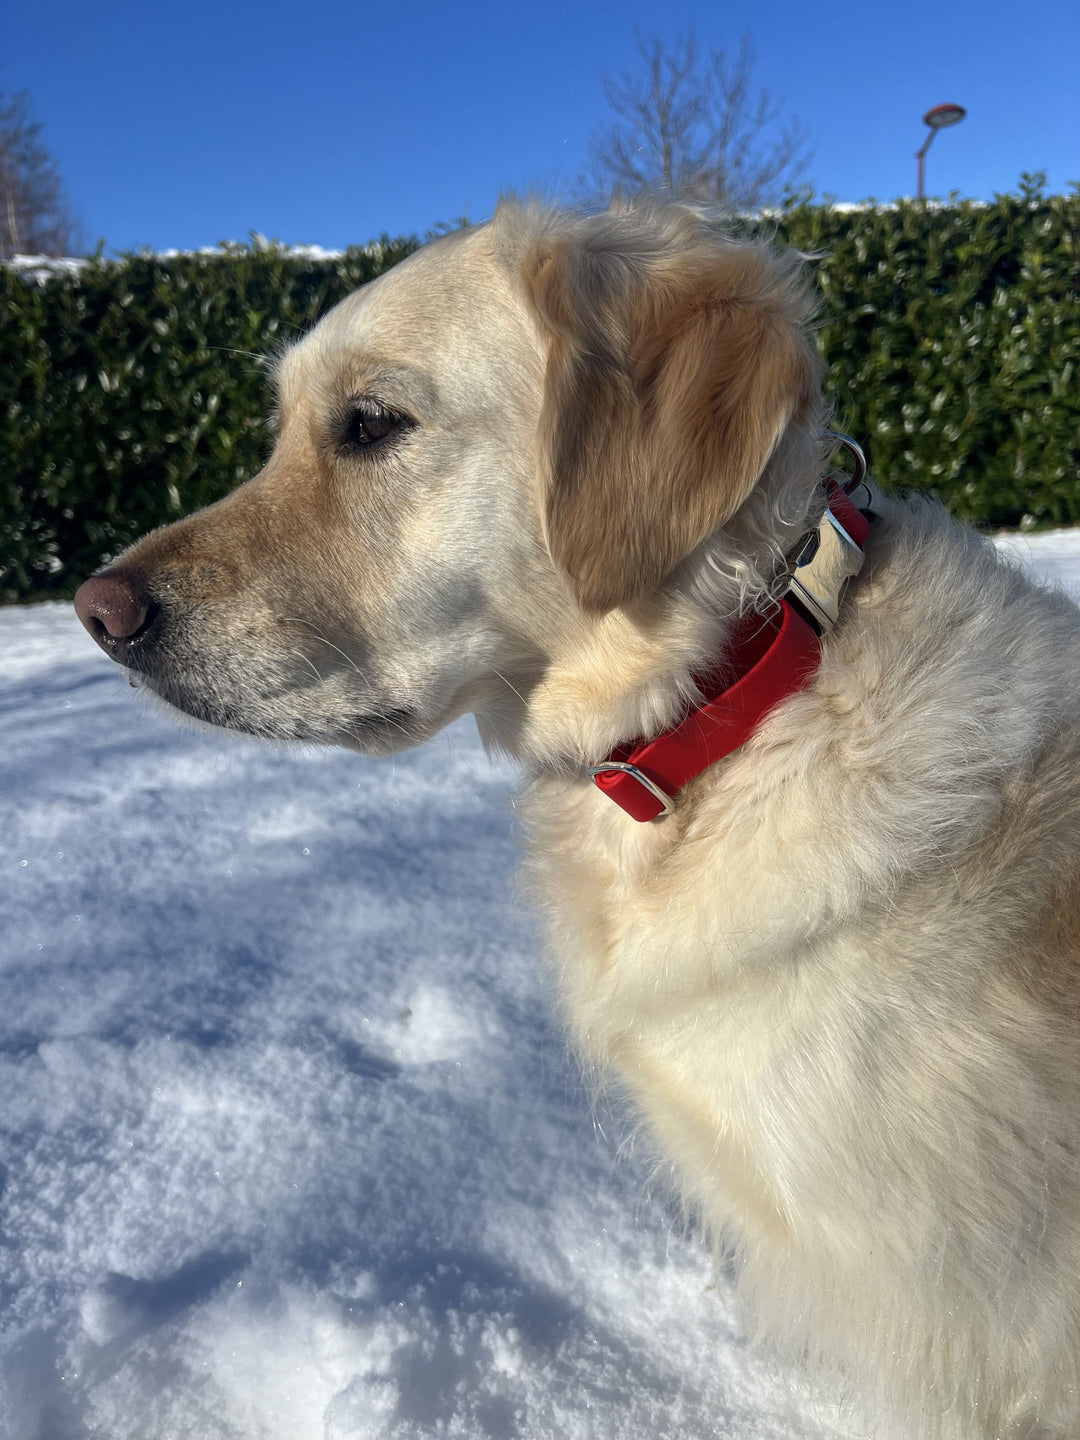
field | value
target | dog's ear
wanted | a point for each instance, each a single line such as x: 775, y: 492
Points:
x: 671, y: 376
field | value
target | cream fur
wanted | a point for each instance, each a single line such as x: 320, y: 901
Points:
x: 840, y: 986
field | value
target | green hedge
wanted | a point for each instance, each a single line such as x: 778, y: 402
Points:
x: 952, y: 335
x: 133, y: 392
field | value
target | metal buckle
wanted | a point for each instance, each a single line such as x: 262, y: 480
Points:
x: 826, y: 563
x: 643, y: 780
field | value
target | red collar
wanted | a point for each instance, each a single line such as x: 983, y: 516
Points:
x: 772, y: 658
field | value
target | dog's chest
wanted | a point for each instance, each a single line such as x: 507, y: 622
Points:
x: 667, y: 950
x: 684, y: 1004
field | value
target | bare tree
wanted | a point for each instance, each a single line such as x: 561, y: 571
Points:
x: 695, y: 125
x: 34, y: 214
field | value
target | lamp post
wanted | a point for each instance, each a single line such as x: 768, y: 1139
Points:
x: 938, y: 118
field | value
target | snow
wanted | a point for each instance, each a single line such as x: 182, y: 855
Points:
x: 291, y: 1147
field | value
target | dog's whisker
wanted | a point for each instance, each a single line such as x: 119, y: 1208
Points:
x: 307, y: 660
x: 509, y: 684
x: 262, y: 361
x: 324, y: 640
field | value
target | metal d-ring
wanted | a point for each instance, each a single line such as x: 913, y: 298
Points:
x: 855, y: 450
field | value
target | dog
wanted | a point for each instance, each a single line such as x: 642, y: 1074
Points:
x: 570, y: 473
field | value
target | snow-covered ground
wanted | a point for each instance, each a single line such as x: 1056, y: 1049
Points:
x: 289, y: 1143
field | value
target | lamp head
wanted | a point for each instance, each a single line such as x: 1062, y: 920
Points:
x: 941, y: 116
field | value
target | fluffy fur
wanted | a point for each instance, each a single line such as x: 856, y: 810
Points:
x: 840, y: 984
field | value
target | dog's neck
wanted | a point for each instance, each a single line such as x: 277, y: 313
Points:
x: 771, y: 657
x: 684, y: 670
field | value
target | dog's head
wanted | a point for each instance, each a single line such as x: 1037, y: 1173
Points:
x: 499, y: 462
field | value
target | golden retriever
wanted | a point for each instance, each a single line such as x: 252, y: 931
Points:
x: 557, y: 470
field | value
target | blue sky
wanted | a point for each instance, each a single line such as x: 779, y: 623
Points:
x: 185, y: 124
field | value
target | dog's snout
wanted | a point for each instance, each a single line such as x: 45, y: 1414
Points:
x: 115, y: 608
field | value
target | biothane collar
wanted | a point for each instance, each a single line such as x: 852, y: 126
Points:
x: 772, y: 657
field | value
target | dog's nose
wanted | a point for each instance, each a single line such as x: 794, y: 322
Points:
x: 114, y: 608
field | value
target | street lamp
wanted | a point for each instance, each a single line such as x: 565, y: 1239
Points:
x: 938, y: 118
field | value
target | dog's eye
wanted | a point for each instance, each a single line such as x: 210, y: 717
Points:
x: 366, y: 425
